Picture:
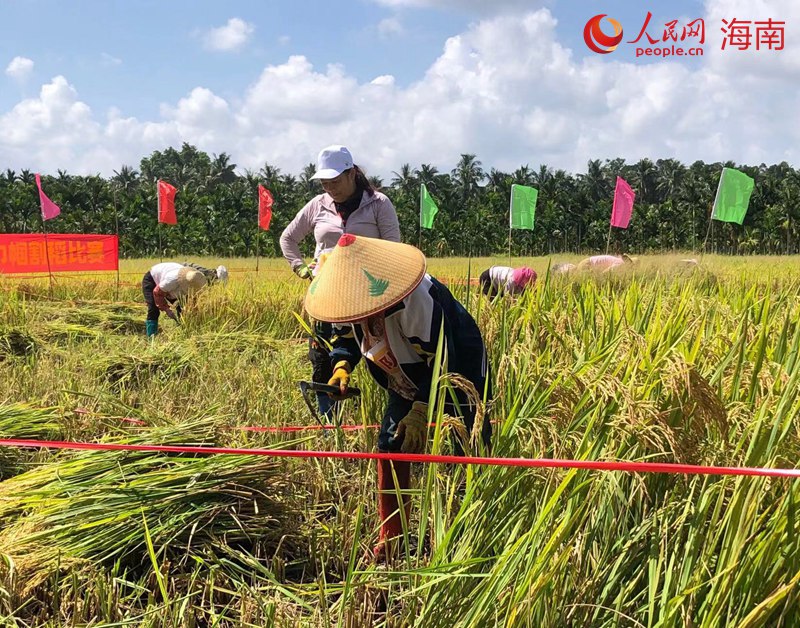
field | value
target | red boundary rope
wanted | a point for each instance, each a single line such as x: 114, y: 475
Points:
x: 307, y: 428
x: 539, y: 463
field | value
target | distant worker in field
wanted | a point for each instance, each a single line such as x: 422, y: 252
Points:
x: 169, y: 284
x: 604, y: 263
x: 349, y: 204
x: 506, y: 280
x: 388, y: 310
x: 562, y: 268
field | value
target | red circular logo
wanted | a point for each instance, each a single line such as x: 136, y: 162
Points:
x: 597, y: 40
x: 347, y: 239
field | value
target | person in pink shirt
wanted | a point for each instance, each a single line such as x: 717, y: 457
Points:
x: 349, y: 204
x: 506, y: 280
x: 604, y: 263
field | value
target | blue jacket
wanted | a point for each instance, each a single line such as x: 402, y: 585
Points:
x: 412, y: 329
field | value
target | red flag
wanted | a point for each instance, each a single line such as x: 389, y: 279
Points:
x: 166, y: 203
x: 264, y: 207
x: 623, y: 204
x: 49, y: 208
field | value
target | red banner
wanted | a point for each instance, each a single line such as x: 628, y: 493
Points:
x: 166, y: 203
x: 264, y: 207
x: 26, y: 253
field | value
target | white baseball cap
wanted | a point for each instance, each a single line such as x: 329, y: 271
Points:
x: 333, y: 161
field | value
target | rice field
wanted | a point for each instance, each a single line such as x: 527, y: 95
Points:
x: 659, y: 364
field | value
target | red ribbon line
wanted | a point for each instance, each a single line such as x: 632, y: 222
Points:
x: 286, y: 429
x: 539, y: 463
x: 307, y: 428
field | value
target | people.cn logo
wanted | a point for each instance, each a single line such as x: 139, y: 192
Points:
x: 597, y: 40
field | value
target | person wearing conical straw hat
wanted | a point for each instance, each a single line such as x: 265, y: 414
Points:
x: 395, y: 312
x: 506, y: 280
x: 349, y: 204
x: 170, y: 283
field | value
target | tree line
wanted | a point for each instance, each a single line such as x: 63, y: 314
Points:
x: 217, y: 207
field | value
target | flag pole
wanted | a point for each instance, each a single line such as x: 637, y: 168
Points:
x: 116, y: 230
x: 419, y: 228
x: 608, y: 239
x: 469, y: 277
x: 258, y: 244
x: 711, y: 215
x: 708, y: 231
x: 158, y: 218
x: 47, y: 256
x: 510, y: 221
x: 44, y: 232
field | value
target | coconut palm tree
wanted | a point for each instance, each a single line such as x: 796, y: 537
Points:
x: 405, y: 180
x: 669, y: 179
x: 467, y: 175
x: 222, y: 170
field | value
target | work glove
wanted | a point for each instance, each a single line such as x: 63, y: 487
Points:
x: 303, y: 271
x: 413, y: 429
x: 341, y: 376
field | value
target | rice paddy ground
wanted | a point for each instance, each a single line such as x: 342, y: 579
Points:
x: 659, y: 363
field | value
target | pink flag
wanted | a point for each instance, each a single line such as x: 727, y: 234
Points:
x: 623, y: 204
x: 49, y: 208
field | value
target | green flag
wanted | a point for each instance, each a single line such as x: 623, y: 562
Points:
x: 427, y: 208
x: 733, y: 196
x: 523, y: 207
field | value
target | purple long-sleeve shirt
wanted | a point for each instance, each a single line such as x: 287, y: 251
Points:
x: 374, y: 218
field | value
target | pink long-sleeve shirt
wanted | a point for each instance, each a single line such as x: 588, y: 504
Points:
x: 374, y: 218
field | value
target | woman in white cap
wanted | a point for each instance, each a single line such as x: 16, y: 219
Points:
x: 348, y: 204
x: 169, y: 283
x: 390, y: 311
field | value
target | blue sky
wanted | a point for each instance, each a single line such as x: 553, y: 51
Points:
x: 135, y: 55
x: 143, y: 62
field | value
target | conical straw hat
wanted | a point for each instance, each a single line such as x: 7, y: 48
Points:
x: 363, y: 276
x: 191, y: 280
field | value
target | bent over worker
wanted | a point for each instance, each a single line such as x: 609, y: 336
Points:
x: 167, y: 284
x: 506, y: 280
x: 390, y: 311
x: 605, y: 263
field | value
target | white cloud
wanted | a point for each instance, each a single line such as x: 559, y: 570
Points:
x: 54, y: 128
x: 505, y: 89
x: 390, y: 27
x: 231, y: 37
x: 384, y: 79
x: 19, y: 68
x: 202, y: 115
x: 110, y: 60
x: 470, y: 6
x: 284, y: 40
